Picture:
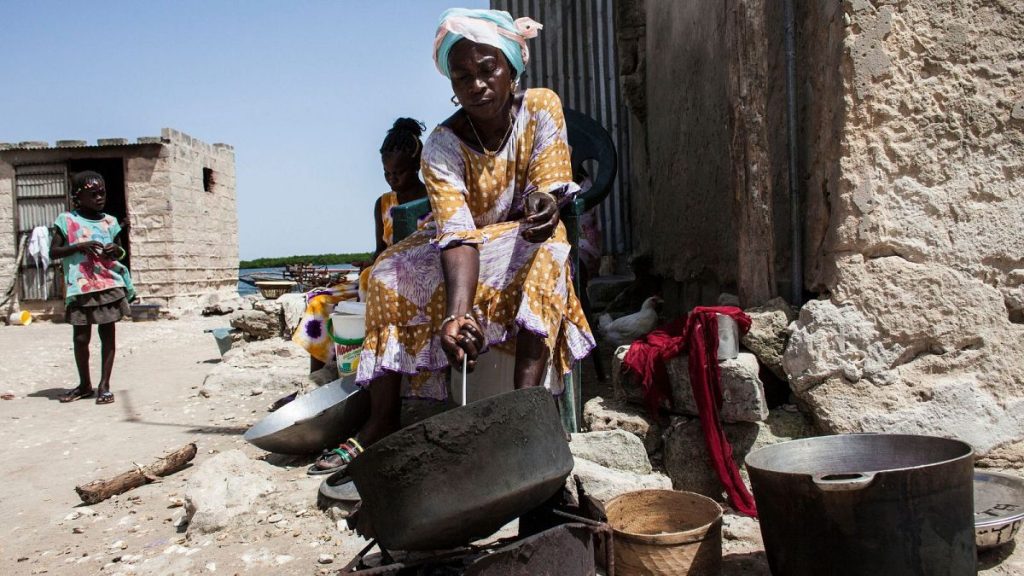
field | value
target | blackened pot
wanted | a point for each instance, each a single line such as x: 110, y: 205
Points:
x: 866, y: 505
x: 462, y: 474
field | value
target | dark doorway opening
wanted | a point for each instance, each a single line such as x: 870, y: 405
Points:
x: 112, y: 170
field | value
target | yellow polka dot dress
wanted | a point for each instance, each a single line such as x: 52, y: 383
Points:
x: 479, y: 199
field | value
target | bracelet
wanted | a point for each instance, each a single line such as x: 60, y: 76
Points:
x: 123, y: 253
x: 448, y: 319
x: 548, y: 194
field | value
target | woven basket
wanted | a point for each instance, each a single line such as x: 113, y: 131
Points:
x: 666, y: 532
x: 274, y: 289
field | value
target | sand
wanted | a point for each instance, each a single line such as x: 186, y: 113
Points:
x: 160, y: 370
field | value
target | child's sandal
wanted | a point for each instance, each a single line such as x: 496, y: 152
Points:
x: 105, y: 397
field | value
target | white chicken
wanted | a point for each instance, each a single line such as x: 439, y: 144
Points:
x: 628, y: 328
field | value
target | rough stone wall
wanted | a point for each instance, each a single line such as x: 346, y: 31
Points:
x: 190, y: 246
x: 922, y: 256
x: 8, y: 251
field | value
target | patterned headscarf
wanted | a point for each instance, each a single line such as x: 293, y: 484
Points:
x: 492, y: 27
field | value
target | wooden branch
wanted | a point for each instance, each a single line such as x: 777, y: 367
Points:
x: 100, y: 490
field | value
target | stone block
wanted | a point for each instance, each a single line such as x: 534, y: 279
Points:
x: 33, y: 144
x: 257, y: 324
x: 112, y: 142
x: 686, y: 457
x: 769, y: 333
x: 616, y: 449
x: 224, y: 489
x: 71, y: 143
x: 600, y: 414
x: 743, y: 398
x: 606, y: 483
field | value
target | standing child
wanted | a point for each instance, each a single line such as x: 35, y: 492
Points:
x: 97, y: 286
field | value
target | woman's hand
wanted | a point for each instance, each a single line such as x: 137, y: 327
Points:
x: 462, y: 337
x: 90, y: 247
x: 542, y: 217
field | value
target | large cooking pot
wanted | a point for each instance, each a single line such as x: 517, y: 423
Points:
x: 463, y: 474
x: 866, y: 505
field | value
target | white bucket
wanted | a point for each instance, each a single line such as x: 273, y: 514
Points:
x: 23, y: 318
x: 728, y: 338
x: 347, y: 332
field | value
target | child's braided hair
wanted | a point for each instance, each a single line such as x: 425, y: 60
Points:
x: 404, y: 136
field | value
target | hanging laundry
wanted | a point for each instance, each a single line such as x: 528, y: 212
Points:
x: 39, y: 250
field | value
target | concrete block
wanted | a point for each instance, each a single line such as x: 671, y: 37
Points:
x: 71, y: 143
x: 743, y: 397
x: 112, y: 142
x: 601, y: 415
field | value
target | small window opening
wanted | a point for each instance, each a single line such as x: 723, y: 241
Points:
x: 207, y: 179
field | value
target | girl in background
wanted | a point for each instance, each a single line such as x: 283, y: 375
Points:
x: 400, y: 157
x: 97, y: 286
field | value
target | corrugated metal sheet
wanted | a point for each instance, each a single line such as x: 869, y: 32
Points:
x: 40, y: 195
x: 576, y: 56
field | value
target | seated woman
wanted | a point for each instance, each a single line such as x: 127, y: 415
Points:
x: 400, y: 154
x: 495, y: 265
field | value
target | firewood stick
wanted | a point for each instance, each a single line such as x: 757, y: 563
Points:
x: 100, y: 490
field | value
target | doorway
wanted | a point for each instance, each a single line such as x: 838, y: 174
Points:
x: 112, y: 170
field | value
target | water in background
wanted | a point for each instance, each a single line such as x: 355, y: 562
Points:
x: 246, y: 289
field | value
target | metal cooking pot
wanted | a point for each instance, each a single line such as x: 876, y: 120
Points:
x: 866, y: 504
x: 463, y: 474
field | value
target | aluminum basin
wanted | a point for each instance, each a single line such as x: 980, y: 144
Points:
x: 314, y: 421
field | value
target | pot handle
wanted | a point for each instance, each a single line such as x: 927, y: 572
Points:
x: 843, y: 482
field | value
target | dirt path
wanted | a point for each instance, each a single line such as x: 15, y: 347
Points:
x: 50, y: 448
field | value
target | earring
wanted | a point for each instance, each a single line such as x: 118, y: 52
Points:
x: 455, y: 100
x: 515, y: 85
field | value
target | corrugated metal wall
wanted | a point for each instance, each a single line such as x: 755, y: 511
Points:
x: 576, y: 56
x: 41, y: 194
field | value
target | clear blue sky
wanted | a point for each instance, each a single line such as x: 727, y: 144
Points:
x: 304, y: 91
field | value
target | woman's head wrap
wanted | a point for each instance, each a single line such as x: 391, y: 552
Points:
x: 492, y: 27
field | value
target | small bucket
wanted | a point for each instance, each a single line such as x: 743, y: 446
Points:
x: 23, y: 318
x: 347, y: 332
x: 223, y: 338
x: 666, y: 532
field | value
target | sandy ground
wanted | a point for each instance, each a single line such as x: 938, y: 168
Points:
x: 50, y: 448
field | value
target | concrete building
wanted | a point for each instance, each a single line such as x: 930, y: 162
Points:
x: 174, y: 196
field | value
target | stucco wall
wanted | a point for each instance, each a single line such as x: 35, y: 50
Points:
x: 922, y: 252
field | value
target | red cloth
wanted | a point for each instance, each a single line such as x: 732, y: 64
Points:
x: 698, y: 334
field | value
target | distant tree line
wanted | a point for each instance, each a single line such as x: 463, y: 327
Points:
x: 317, y: 259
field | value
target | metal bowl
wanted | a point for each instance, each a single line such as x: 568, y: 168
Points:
x: 998, y: 508
x: 313, y: 421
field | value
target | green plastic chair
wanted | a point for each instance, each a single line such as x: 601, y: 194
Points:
x: 589, y: 142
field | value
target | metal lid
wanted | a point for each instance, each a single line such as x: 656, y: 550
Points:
x: 998, y: 499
